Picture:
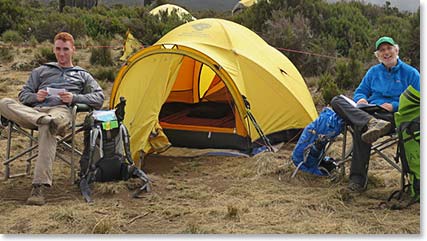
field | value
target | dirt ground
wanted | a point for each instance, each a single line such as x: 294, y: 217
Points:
x: 203, y: 194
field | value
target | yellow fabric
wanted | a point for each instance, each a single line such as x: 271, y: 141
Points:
x: 158, y: 140
x: 131, y: 46
x: 248, y: 3
x: 146, y: 89
x: 247, y: 65
x: 206, y: 77
x: 169, y: 8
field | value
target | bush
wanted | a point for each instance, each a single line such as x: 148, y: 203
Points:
x: 46, y: 27
x: 5, y: 55
x: 45, y: 55
x: 104, y: 73
x: 33, y: 41
x: 342, y: 75
x: 83, y: 42
x: 348, y: 73
x: 329, y: 88
x: 102, y: 55
x: 11, y: 36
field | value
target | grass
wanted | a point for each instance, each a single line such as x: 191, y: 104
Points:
x: 205, y: 195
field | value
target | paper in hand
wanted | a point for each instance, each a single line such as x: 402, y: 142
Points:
x: 54, y: 91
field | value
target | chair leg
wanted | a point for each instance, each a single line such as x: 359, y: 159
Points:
x: 9, y: 141
x: 343, y: 150
x: 73, y: 143
x: 28, y: 168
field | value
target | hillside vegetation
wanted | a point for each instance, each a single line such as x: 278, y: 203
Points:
x: 337, y: 38
x: 195, y: 194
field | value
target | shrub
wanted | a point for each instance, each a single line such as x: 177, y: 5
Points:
x: 83, y: 42
x: 5, y: 55
x: 45, y: 55
x: 46, y: 27
x: 33, y: 41
x: 342, y: 75
x: 104, y: 73
x: 329, y: 88
x: 101, y: 56
x: 23, y: 66
x: 348, y: 73
x: 11, y: 36
x: 291, y: 33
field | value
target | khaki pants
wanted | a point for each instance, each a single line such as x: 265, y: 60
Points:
x: 27, y: 117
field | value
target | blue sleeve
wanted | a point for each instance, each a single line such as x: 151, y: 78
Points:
x: 364, y: 89
x: 395, y: 105
x: 415, y: 81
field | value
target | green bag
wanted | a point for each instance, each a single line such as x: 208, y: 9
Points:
x: 408, y: 127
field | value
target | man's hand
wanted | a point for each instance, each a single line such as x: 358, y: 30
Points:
x: 362, y: 101
x: 66, y: 97
x: 41, y: 95
x: 387, y: 106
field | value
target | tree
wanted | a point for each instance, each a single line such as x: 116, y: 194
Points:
x: 77, y: 3
x: 11, y: 13
x: 413, y: 48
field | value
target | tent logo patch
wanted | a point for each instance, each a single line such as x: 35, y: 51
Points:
x: 201, y: 26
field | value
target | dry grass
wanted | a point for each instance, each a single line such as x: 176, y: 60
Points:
x: 206, y: 194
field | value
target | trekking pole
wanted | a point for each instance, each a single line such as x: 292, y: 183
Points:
x: 257, y: 127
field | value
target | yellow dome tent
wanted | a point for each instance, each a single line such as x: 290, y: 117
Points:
x: 169, y: 8
x: 194, y: 80
x: 242, y: 4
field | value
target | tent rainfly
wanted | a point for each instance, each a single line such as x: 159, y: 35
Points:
x: 169, y: 9
x: 243, y: 4
x: 212, y: 83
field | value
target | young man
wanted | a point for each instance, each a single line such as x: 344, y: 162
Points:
x: 45, y: 100
x: 382, y: 85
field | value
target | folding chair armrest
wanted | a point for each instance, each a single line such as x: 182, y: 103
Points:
x: 82, y: 107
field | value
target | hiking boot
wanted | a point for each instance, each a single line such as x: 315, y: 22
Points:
x: 376, y: 129
x: 356, y: 187
x: 36, y: 196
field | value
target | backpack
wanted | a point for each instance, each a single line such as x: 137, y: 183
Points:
x: 407, y: 120
x: 309, y: 152
x: 106, y: 155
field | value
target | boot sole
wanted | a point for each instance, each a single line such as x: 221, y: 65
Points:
x: 371, y: 136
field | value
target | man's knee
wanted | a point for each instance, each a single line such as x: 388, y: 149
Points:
x: 5, y: 101
x: 335, y: 101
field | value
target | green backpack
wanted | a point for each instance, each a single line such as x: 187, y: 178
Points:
x: 408, y: 127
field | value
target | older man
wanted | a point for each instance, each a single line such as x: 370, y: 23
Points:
x: 382, y: 85
x: 45, y: 100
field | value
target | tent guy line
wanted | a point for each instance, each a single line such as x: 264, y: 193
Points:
x: 145, y: 46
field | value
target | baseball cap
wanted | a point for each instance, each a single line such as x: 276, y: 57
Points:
x: 384, y: 39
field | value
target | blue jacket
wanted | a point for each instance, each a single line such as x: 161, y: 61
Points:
x: 381, y: 86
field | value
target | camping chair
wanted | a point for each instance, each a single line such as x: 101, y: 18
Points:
x: 378, y: 147
x: 29, y: 133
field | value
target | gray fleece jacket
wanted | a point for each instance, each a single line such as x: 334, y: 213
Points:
x: 75, y: 79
